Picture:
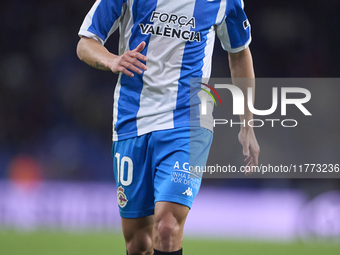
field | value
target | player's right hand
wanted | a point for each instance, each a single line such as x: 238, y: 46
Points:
x: 130, y: 61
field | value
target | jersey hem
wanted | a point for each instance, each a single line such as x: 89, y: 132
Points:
x: 116, y: 137
x: 238, y: 49
x: 86, y: 33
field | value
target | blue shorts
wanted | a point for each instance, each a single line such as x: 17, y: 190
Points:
x: 159, y: 166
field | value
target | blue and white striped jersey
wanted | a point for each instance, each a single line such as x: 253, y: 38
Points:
x: 179, y: 36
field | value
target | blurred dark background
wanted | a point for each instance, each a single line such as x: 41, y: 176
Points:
x: 56, y: 112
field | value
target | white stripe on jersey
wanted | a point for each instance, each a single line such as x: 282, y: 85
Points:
x: 221, y: 12
x: 125, y: 29
x: 222, y: 32
x: 208, y: 51
x: 125, y: 34
x: 160, y: 88
x: 205, y: 121
x: 115, y: 107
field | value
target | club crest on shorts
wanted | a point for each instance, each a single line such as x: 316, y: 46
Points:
x: 121, y: 197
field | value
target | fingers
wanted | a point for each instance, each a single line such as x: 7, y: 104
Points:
x: 251, y: 161
x: 124, y: 71
x: 133, y: 65
x: 135, y: 55
x: 135, y: 58
x: 249, y: 166
x: 246, y: 150
x: 251, y: 152
x: 130, y: 61
x: 254, y: 152
x: 126, y: 66
x: 247, y: 158
x: 255, y: 157
x: 140, y: 47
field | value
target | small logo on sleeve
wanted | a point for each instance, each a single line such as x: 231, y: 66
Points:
x: 246, y: 24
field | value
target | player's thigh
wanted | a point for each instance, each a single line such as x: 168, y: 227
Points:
x: 138, y: 228
x: 173, y: 213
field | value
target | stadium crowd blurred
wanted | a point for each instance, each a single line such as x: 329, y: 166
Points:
x: 56, y: 112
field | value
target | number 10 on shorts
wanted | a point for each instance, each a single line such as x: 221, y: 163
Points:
x: 121, y: 163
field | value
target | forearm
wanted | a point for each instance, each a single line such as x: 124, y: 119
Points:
x: 242, y: 74
x: 94, y: 54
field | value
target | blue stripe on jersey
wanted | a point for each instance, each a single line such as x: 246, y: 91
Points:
x: 131, y: 88
x: 235, y: 18
x: 193, y: 60
x: 107, y: 12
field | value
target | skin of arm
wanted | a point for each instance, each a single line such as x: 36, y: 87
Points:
x: 96, y: 55
x: 241, y: 66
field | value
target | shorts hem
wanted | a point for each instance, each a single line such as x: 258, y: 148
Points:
x: 136, y: 214
x: 174, y: 199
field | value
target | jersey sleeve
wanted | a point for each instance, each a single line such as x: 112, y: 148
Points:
x: 102, y: 20
x: 234, y: 30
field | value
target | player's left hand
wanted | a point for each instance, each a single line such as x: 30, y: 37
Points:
x: 251, y: 148
x: 130, y: 61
